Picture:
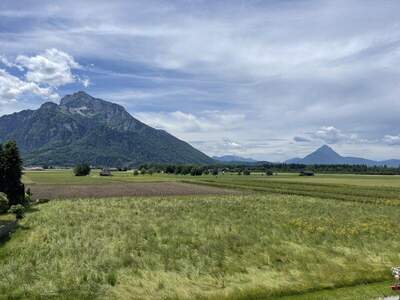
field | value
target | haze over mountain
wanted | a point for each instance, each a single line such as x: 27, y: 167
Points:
x: 86, y: 129
x: 234, y: 158
x: 325, y: 155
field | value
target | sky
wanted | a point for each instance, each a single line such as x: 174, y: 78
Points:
x: 269, y: 80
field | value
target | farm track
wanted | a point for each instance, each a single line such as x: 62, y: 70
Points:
x: 53, y: 191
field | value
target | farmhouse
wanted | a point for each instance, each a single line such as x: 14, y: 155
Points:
x: 105, y: 172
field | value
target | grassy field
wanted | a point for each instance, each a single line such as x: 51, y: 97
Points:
x: 234, y: 247
x: 287, y: 237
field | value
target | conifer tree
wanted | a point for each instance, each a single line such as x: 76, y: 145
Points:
x: 12, y: 167
x: 1, y: 169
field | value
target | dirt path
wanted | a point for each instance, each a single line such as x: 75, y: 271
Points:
x: 123, y: 189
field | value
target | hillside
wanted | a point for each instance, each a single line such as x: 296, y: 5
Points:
x: 234, y: 159
x: 84, y: 128
x: 327, y: 156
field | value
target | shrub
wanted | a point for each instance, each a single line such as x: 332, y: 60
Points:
x: 269, y: 173
x: 246, y: 172
x: 82, y: 170
x: 18, y: 210
x: 28, y: 197
x: 215, y: 172
x: 135, y: 173
x: 4, y: 204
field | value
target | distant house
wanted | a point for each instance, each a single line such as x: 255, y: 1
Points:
x: 306, y: 173
x: 34, y: 168
x: 105, y: 172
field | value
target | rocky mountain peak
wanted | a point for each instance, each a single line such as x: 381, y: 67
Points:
x: 76, y: 99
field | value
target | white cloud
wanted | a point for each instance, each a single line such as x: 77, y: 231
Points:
x: 329, y: 134
x: 179, y: 122
x: 11, y: 87
x: 392, y: 139
x: 5, y: 61
x: 52, y: 68
x: 43, y: 74
x: 85, y: 82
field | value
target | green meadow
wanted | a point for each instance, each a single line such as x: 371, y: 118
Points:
x: 284, y: 237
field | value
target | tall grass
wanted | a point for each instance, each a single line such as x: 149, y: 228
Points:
x: 215, y: 247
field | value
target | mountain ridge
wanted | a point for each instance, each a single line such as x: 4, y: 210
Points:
x: 325, y: 155
x: 89, y: 129
x: 234, y: 158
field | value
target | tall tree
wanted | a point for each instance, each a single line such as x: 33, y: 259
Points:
x: 2, y: 185
x: 12, y: 166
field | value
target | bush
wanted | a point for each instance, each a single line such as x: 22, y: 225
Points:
x: 215, y: 172
x: 269, y: 173
x: 28, y: 197
x: 4, y: 204
x: 246, y: 172
x: 18, y: 210
x: 82, y: 170
x: 135, y: 173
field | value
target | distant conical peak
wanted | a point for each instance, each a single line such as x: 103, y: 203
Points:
x: 326, y: 148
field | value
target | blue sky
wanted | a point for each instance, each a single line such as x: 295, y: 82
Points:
x: 262, y: 79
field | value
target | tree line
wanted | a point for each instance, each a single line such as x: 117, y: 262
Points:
x: 267, y: 168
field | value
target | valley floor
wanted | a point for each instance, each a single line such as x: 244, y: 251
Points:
x: 281, y: 239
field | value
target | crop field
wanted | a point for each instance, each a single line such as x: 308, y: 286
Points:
x: 66, y: 177
x: 281, y: 237
x: 116, y: 189
x: 347, y: 188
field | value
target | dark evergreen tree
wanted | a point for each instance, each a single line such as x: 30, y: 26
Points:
x: 12, y: 172
x: 2, y: 185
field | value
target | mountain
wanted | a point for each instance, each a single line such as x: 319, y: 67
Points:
x: 323, y: 155
x: 327, y: 156
x: 86, y: 129
x: 233, y: 158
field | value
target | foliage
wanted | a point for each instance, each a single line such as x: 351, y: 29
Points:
x: 246, y: 172
x: 4, y: 204
x: 82, y: 170
x: 196, y: 172
x: 11, y: 173
x: 18, y: 210
x: 135, y: 173
x: 281, y: 167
